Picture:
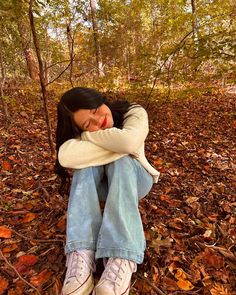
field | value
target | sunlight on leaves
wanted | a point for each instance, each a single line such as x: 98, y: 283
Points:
x: 5, y: 232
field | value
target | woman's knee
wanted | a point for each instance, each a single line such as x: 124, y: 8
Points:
x: 125, y: 163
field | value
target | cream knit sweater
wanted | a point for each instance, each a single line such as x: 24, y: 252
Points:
x: 106, y: 146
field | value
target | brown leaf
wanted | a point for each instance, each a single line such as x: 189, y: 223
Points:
x: 3, y: 285
x: 180, y: 274
x: 158, y: 162
x: 6, y: 166
x: 17, y: 291
x: 28, y: 259
x: 185, y: 285
x: 28, y: 217
x: 143, y: 287
x: 9, y: 248
x: 219, y: 290
x: 212, y: 259
x: 169, y: 284
x: 41, y: 278
x: 22, y: 266
x: 5, y: 232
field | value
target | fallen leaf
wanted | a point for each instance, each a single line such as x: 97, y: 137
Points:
x: 41, y: 278
x: 180, y: 274
x: 219, y: 290
x: 5, y: 232
x: 169, y: 284
x: 143, y: 287
x: 158, y: 162
x: 28, y: 217
x: 28, y: 259
x: 9, y: 248
x: 3, y: 285
x: 17, y: 291
x: 185, y: 285
x: 24, y: 261
x: 6, y: 166
x: 212, y: 259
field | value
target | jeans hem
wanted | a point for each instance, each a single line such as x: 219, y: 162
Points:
x: 120, y: 253
x: 76, y: 246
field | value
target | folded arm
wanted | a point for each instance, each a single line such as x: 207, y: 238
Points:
x: 126, y: 140
x: 78, y: 154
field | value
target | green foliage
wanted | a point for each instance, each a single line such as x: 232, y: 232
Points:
x: 139, y: 40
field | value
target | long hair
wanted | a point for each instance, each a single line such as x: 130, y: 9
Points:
x: 70, y: 102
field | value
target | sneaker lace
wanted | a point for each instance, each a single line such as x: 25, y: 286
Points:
x: 114, y: 270
x: 77, y: 263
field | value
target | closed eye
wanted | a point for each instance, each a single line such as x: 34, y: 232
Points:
x: 95, y: 110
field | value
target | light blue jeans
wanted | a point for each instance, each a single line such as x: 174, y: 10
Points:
x: 118, y: 232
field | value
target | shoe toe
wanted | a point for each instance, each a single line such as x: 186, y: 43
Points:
x: 75, y: 288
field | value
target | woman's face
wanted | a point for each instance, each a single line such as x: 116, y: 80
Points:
x: 94, y: 119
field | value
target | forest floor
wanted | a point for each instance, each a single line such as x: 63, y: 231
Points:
x: 188, y: 217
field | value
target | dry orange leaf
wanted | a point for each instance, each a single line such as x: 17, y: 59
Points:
x: 3, y: 285
x: 6, y: 165
x: 28, y: 259
x: 219, y: 290
x: 9, y: 248
x: 180, y: 274
x: 158, y: 162
x: 41, y: 278
x: 17, y: 291
x: 24, y: 262
x: 185, y: 285
x: 28, y: 217
x: 5, y: 232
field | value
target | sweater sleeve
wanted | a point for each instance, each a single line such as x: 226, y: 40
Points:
x: 126, y: 140
x: 78, y: 154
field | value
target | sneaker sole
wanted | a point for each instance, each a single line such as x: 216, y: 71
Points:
x: 125, y: 293
x: 85, y: 292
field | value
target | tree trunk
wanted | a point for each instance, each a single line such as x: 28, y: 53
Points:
x: 70, y: 39
x: 28, y: 51
x: 3, y: 73
x: 41, y: 76
x: 96, y: 43
x: 194, y: 24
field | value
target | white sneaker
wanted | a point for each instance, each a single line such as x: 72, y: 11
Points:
x: 79, y: 275
x: 116, y: 277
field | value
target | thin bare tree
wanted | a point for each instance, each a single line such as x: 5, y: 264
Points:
x: 96, y: 42
x: 41, y: 76
x: 2, y: 83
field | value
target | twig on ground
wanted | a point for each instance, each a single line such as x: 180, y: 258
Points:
x: 37, y: 240
x: 159, y: 291
x: 12, y: 267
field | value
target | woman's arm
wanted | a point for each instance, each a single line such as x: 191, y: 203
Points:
x: 126, y: 140
x: 78, y: 154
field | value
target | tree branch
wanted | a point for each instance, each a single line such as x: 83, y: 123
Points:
x: 15, y: 270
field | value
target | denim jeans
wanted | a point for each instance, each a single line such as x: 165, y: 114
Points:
x: 118, y: 232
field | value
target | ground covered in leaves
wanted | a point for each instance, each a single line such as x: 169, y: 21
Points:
x: 189, y: 216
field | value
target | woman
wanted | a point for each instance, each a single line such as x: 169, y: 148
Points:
x: 104, y: 142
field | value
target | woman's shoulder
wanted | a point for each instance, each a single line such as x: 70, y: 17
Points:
x: 135, y: 109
